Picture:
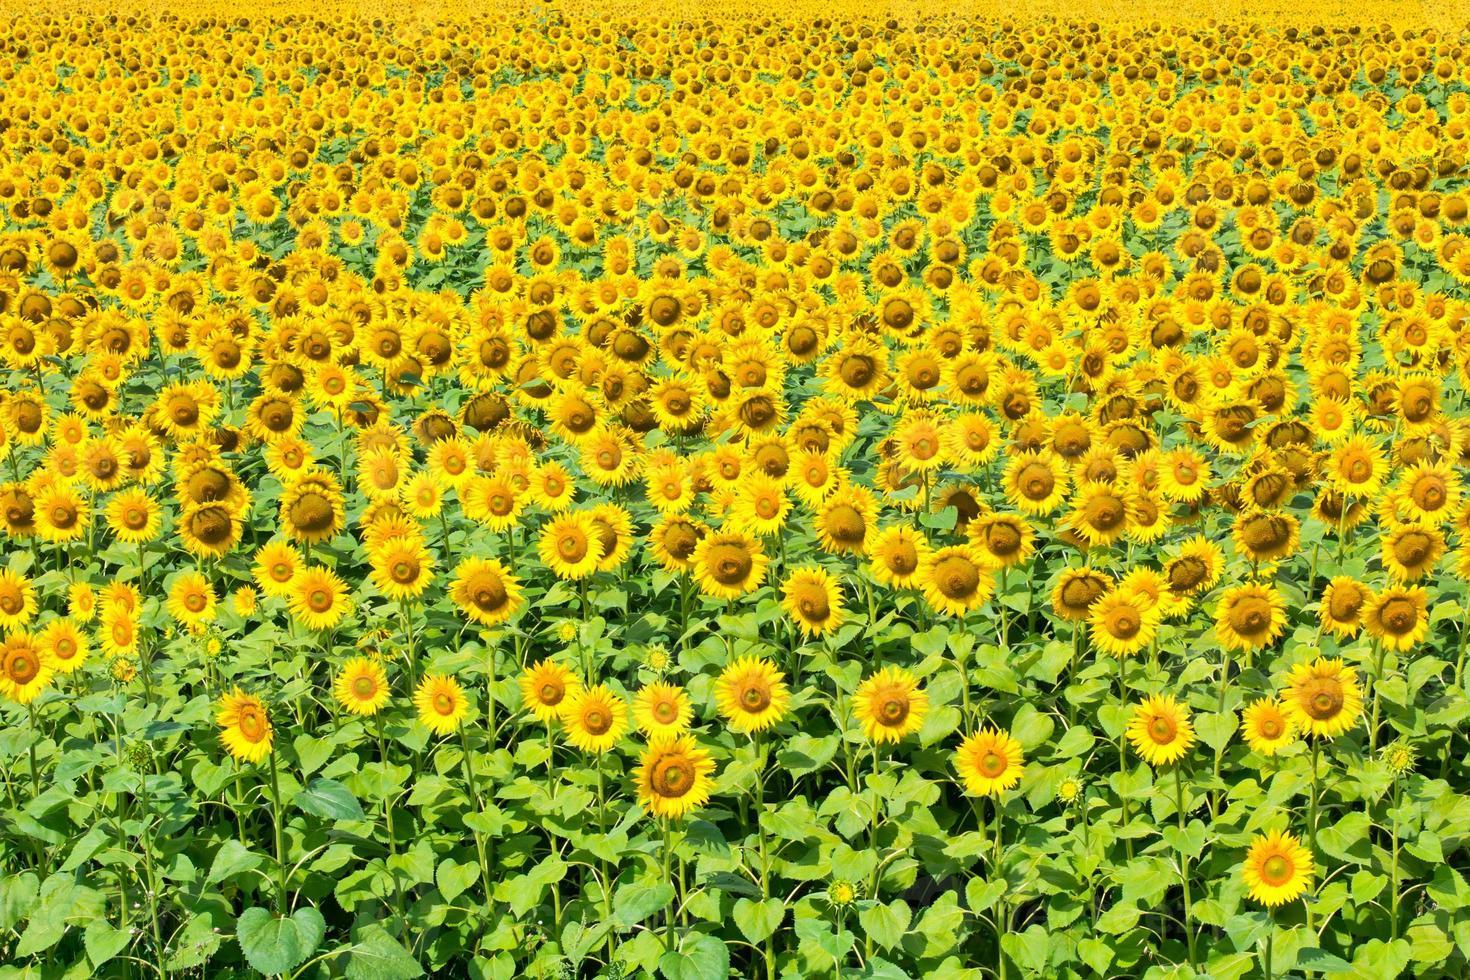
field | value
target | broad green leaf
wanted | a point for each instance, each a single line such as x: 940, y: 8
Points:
x: 275, y: 945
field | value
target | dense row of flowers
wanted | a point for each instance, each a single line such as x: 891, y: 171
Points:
x: 563, y: 495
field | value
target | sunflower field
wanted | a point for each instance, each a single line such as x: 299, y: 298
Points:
x: 735, y: 490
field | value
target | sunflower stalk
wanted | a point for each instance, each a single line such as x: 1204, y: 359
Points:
x: 760, y: 833
x: 1184, y: 866
x: 276, y: 818
x: 479, y: 807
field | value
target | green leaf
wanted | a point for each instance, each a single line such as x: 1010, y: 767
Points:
x: 701, y: 957
x: 759, y: 919
x: 454, y: 879
x: 1314, y: 960
x: 330, y: 800
x: 231, y: 859
x: 636, y: 901
x: 523, y: 892
x: 1215, y: 730
x: 1030, y: 949
x: 104, y: 941
x: 982, y: 894
x: 378, y: 956
x: 275, y: 945
x: 886, y: 924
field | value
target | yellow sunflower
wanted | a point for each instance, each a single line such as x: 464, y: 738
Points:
x: 662, y: 708
x: 362, y: 686
x: 1277, y: 869
x: 1160, y: 731
x: 245, y: 726
x: 752, y: 695
x: 1266, y: 726
x: 545, y: 686
x: 673, y: 776
x: 595, y: 718
x: 990, y: 762
x: 441, y: 703
x: 1323, y: 698
x: 890, y: 705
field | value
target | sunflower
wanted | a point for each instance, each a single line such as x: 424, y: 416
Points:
x: 441, y: 703
x: 318, y: 598
x: 402, y: 567
x: 955, y: 580
x: 990, y: 762
x: 570, y: 546
x: 66, y: 644
x: 545, y: 686
x: 25, y: 667
x: 1121, y: 624
x: 1249, y: 617
x: 1411, y: 551
x: 245, y: 726
x: 1001, y: 540
x: 662, y: 708
x: 845, y: 520
x: 1342, y: 605
x: 673, y: 776
x: 485, y: 591
x: 1323, y: 698
x: 761, y: 506
x: 812, y: 599
x: 752, y: 694
x: 276, y: 564
x: 1036, y: 482
x: 1266, y: 727
x: 17, y: 599
x: 361, y: 687
x: 729, y: 564
x: 311, y: 508
x: 1195, y: 568
x: 1398, y: 617
x: 896, y: 556
x: 1266, y: 536
x: 889, y: 705
x: 61, y: 514
x: 1100, y: 514
x: 1160, y: 731
x: 1076, y: 591
x: 133, y: 516
x: 1277, y: 869
x: 1357, y: 467
x: 191, y: 600
x: 595, y: 718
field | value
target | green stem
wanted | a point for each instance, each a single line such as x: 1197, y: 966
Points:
x: 1378, y: 651
x: 1393, y: 884
x: 1184, y: 866
x: 280, y: 842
